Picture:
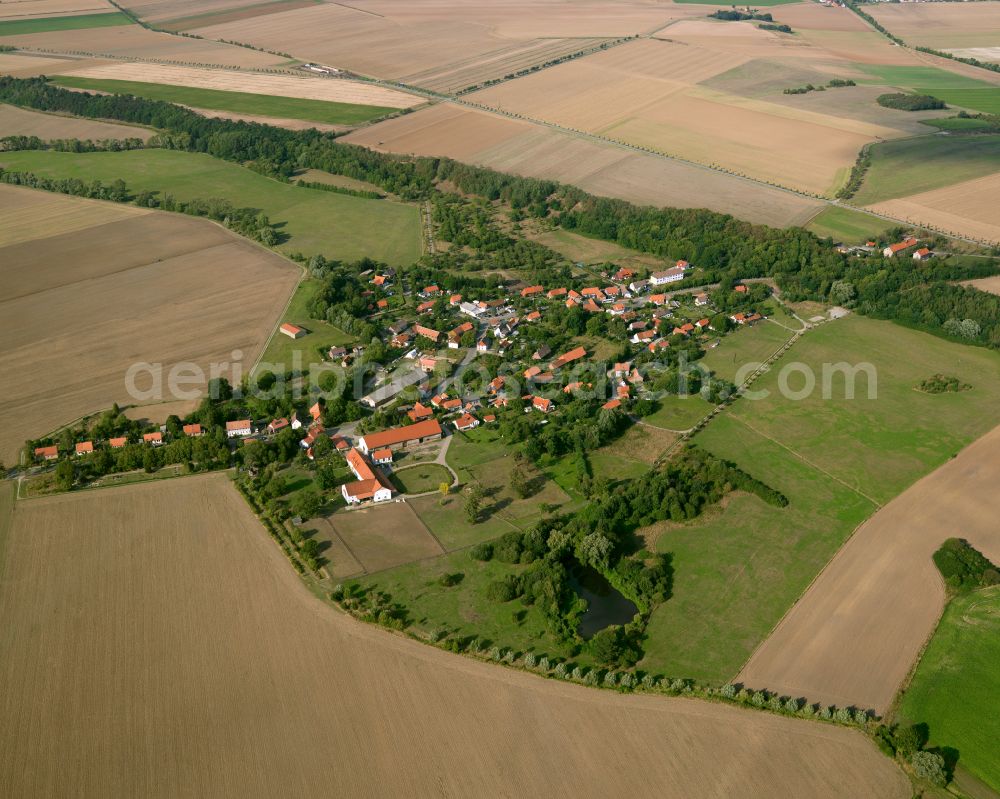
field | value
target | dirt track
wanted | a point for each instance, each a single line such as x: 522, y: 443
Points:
x: 156, y: 643
x: 853, y: 636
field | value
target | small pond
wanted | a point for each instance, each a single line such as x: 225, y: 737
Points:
x: 605, y: 605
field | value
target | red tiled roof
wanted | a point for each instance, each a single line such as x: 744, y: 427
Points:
x: 118, y: 443
x: 195, y: 429
x: 84, y: 447
x: 400, y: 435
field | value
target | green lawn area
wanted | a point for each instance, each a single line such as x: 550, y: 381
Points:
x: 846, y: 225
x: 959, y: 123
x: 331, y: 113
x: 15, y: 27
x: 315, y: 221
x: 280, y: 355
x: 421, y: 478
x: 746, y: 347
x: 464, y: 609
x: 908, y: 166
x: 955, y: 687
x: 739, y: 569
x: 678, y: 413
x: 954, y: 89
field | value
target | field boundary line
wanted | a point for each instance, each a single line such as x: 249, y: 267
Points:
x: 808, y: 462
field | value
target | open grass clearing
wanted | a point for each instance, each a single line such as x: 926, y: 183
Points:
x: 958, y: 679
x: 847, y: 225
x: 284, y: 354
x: 952, y: 87
x: 911, y: 166
x: 834, y: 459
x: 314, y: 221
x: 853, y: 637
x: 742, y: 351
x: 331, y: 113
x: 421, y: 478
x: 678, y: 413
x: 14, y: 27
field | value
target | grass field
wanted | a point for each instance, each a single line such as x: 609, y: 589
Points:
x: 911, y: 166
x: 678, y: 413
x: 738, y: 570
x: 744, y: 349
x: 332, y: 113
x: 960, y: 123
x: 284, y: 353
x: 421, y: 478
x: 954, y: 89
x: 958, y: 679
x: 315, y: 221
x: 383, y: 536
x: 846, y: 225
x: 15, y: 27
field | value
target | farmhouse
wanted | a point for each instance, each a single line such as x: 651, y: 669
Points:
x: 195, y: 430
x: 568, y: 357
x: 155, y: 439
x: 85, y: 448
x: 542, y: 404
x: 671, y: 275
x: 427, y: 332
x: 118, y: 443
x: 370, y: 484
x: 292, y: 331
x: 276, y: 425
x: 428, y: 430
x: 923, y: 254
x: 419, y: 412
x: 466, y: 422
x: 47, y: 453
x: 532, y: 291
x: 381, y: 457
x: 893, y: 249
x: 242, y: 427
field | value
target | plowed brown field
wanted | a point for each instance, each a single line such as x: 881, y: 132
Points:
x: 856, y: 632
x: 96, y: 287
x: 156, y: 643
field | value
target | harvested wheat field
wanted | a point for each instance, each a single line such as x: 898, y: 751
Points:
x: 330, y: 90
x: 135, y: 42
x: 179, y: 654
x: 943, y: 26
x: 29, y: 9
x: 28, y: 66
x: 990, y: 285
x: 645, y: 93
x: 968, y: 208
x: 94, y: 288
x: 532, y: 150
x: 16, y: 121
x: 856, y: 632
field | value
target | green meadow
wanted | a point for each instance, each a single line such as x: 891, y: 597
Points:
x: 16, y: 27
x: 237, y: 102
x: 335, y: 225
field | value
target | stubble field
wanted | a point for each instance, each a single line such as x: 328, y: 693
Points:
x: 305, y: 88
x: 531, y: 150
x: 943, y: 26
x: 968, y: 208
x: 16, y: 121
x: 179, y: 653
x: 26, y: 9
x: 99, y: 287
x: 855, y: 634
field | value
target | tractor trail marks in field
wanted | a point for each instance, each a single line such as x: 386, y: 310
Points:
x: 179, y: 653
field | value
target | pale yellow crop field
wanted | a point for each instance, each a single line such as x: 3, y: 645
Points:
x: 645, y: 93
x: 30, y: 9
x: 532, y: 150
x: 310, y: 88
x: 943, y: 26
x: 134, y: 41
x: 91, y: 288
x: 968, y: 208
x: 178, y: 654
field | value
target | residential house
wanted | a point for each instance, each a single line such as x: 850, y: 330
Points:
x: 85, y: 448
x: 922, y: 254
x: 242, y: 427
x: 672, y: 275
x: 194, y: 430
x: 370, y: 485
x: 153, y: 439
x: 46, y: 453
x: 466, y: 422
x: 894, y: 249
